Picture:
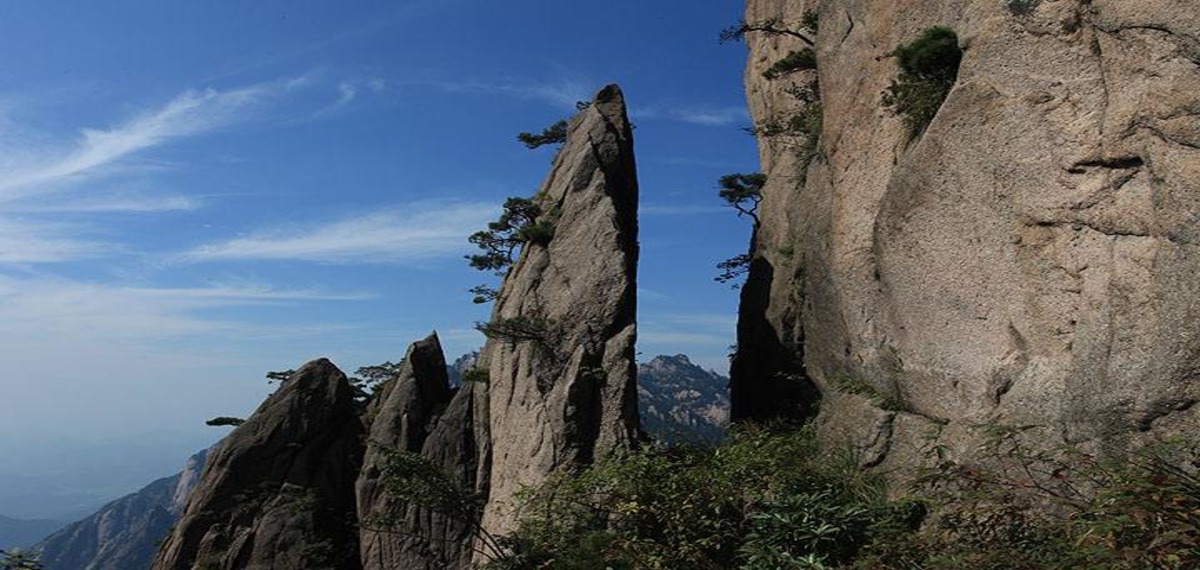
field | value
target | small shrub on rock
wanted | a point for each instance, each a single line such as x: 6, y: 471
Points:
x: 928, y: 69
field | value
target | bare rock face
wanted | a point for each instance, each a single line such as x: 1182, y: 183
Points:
x: 278, y: 493
x: 417, y: 412
x: 567, y: 393
x: 1029, y: 259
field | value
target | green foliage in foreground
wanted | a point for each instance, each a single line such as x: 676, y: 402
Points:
x: 17, y: 560
x: 928, y: 70
x: 760, y: 501
x: 769, y: 499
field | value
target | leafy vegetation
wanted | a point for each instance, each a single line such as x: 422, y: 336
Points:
x: 518, y: 329
x: 800, y: 128
x: 279, y: 376
x: 774, y: 499
x: 801, y: 60
x: 850, y: 385
x: 517, y: 225
x: 743, y: 192
x: 17, y: 560
x: 734, y: 268
x: 760, y: 501
x: 416, y: 480
x: 774, y: 27
x: 367, y: 380
x: 222, y: 421
x: 477, y: 374
x: 554, y: 134
x: 928, y: 70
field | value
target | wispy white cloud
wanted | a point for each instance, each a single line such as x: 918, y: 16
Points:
x: 42, y: 174
x: 652, y: 295
x: 349, y: 90
x: 702, y: 115
x: 418, y: 231
x: 678, y: 210
x: 34, y: 241
x: 61, y: 309
x: 188, y: 114
x: 680, y: 339
x: 110, y: 203
x: 703, y: 331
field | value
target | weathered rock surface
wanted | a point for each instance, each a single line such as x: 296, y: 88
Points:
x: 564, y: 398
x: 124, y: 534
x: 417, y: 412
x: 1030, y: 259
x: 679, y: 401
x: 278, y: 492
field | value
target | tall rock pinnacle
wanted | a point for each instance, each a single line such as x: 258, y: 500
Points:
x: 566, y: 393
x: 279, y: 490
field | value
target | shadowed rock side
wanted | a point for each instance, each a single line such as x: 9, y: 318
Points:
x: 278, y: 493
x: 569, y: 394
x: 1030, y: 258
x: 124, y: 534
x: 417, y: 412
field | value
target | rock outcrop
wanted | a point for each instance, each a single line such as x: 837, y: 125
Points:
x: 294, y: 488
x: 566, y: 393
x: 682, y: 402
x: 278, y: 492
x: 124, y: 534
x: 1029, y: 259
x: 417, y: 412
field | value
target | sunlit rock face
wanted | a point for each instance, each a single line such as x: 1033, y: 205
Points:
x: 1030, y: 258
x: 569, y: 396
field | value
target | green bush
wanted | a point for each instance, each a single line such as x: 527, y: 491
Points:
x: 477, y: 375
x: 1027, y: 507
x: 775, y: 499
x: 928, y: 70
x: 850, y: 385
x: 801, y: 60
x: 519, y: 329
x: 554, y: 134
x: 761, y: 500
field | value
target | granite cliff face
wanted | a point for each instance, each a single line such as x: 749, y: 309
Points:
x: 1028, y: 259
x: 124, y: 534
x: 569, y: 395
x: 278, y: 492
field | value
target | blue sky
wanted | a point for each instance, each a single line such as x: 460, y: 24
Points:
x: 194, y: 193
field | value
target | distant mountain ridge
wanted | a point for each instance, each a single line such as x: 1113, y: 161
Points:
x: 124, y: 534
x: 460, y: 366
x: 21, y: 533
x: 680, y: 401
